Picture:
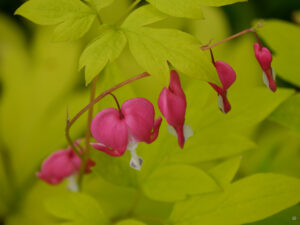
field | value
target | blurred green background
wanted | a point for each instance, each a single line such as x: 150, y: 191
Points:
x: 33, y: 109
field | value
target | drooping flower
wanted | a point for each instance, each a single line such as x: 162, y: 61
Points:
x: 122, y: 129
x: 264, y: 57
x: 227, y: 77
x: 62, y: 164
x: 172, y: 104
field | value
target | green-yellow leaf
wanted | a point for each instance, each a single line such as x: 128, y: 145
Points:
x: 178, y: 8
x: 219, y: 2
x: 211, y: 146
x: 76, y: 209
x: 115, y: 170
x: 153, y: 48
x: 47, y: 12
x: 100, y: 4
x: 130, y: 222
x: 288, y: 113
x: 73, y: 16
x: 225, y: 171
x: 247, y: 200
x: 143, y: 16
x: 288, y: 217
x: 249, y: 107
x: 283, y: 39
x: 73, y: 28
x: 106, y: 48
x: 176, y: 182
x: 188, y: 8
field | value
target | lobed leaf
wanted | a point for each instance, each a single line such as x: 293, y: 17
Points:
x: 73, y: 16
x: 283, y: 39
x: 106, y: 48
x: 100, y: 4
x: 289, y: 217
x: 143, y: 16
x: 130, y: 222
x: 288, y: 113
x: 115, y: 170
x: 76, y: 209
x: 189, y: 8
x: 154, y: 48
x: 175, y: 182
x: 73, y: 28
x: 219, y: 2
x: 247, y: 200
x: 210, y: 146
x: 225, y: 171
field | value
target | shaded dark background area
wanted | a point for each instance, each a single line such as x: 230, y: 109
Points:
x: 240, y: 14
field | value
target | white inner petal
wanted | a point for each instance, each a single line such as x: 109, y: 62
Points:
x: 171, y: 130
x: 265, y: 78
x: 221, y: 103
x: 135, y: 161
x: 132, y: 143
x: 187, y: 131
x: 72, y: 183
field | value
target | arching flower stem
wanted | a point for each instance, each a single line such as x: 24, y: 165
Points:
x: 118, y: 105
x: 86, y: 153
x: 249, y: 30
x: 70, y: 122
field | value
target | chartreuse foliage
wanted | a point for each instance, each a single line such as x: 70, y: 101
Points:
x: 176, y: 182
x: 286, y: 48
x: 152, y: 48
x: 225, y: 171
x: 289, y: 217
x: 106, y: 48
x: 76, y: 209
x: 247, y: 200
x: 130, y: 222
x: 188, y: 8
x: 189, y: 187
x: 288, y: 113
x: 74, y: 18
x: 32, y: 116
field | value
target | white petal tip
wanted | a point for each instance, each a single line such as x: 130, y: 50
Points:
x: 187, y: 131
x: 72, y: 184
x: 265, y: 79
x: 136, y: 163
x: 172, y: 131
x: 221, y: 103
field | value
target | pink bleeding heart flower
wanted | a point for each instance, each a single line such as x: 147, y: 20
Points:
x: 227, y: 77
x: 119, y: 130
x: 264, y: 57
x: 172, y: 104
x: 62, y: 164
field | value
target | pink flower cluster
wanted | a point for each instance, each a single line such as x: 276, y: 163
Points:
x: 62, y: 164
x: 118, y: 130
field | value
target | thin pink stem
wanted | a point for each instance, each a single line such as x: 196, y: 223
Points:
x: 86, y: 108
x: 250, y: 30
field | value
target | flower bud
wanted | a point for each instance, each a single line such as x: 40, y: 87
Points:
x: 227, y: 77
x: 118, y: 130
x: 264, y: 58
x: 60, y: 165
x: 172, y: 104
